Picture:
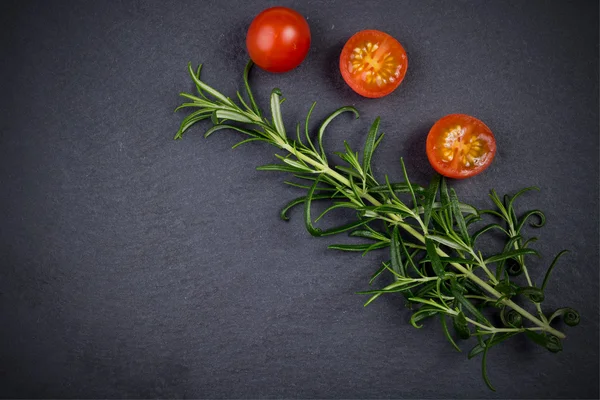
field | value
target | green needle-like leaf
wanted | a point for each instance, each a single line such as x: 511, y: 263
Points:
x: 204, y: 87
x: 547, y: 276
x: 445, y: 200
x: 235, y: 146
x: 502, y: 210
x: 447, y: 332
x: 307, y: 218
x: 368, y: 234
x: 345, y: 204
x: 370, y: 146
x: 461, y: 326
x: 231, y: 115
x: 534, y: 294
x: 467, y: 305
x: 486, y: 229
x: 510, y: 254
x: 436, y: 263
x: 396, y: 257
x: 473, y: 288
x: 327, y: 122
x: 332, y: 231
x: 378, y: 141
x: 348, y: 171
x: 198, y: 88
x: 421, y: 315
x: 358, y: 247
x: 188, y: 124
x: 306, y: 129
x: 276, y: 113
x: 446, y: 241
x: 464, y: 208
x: 484, y: 364
x: 396, y: 187
x: 248, y: 91
x: 510, y: 206
x: 243, y: 102
x: 214, y: 119
x: 301, y: 200
x: 460, y: 220
x: 412, y: 192
x: 430, y: 196
x: 498, y: 338
x: 377, y: 273
x: 233, y: 127
x: 280, y: 168
x: 529, y: 214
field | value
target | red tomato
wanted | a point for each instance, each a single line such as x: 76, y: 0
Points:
x: 460, y: 146
x: 278, y: 39
x: 373, y: 63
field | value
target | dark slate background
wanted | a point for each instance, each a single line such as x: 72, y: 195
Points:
x: 135, y: 266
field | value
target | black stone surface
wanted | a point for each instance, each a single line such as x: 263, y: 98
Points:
x: 132, y: 265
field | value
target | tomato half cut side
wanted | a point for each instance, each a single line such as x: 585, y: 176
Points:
x: 278, y: 39
x: 373, y: 63
x: 460, y: 146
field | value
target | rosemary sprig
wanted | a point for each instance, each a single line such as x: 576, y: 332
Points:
x: 431, y: 236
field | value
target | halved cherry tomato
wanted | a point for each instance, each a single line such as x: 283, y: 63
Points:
x: 373, y: 63
x: 278, y: 39
x: 460, y: 146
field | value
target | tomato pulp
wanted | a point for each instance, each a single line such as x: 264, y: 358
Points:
x: 278, y: 39
x: 460, y: 146
x: 373, y: 63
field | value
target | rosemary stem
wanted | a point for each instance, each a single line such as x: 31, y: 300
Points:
x: 324, y: 168
x: 485, y: 268
x: 490, y: 330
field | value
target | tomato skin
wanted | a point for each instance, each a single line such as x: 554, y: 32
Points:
x: 278, y: 39
x: 371, y: 71
x: 460, y: 146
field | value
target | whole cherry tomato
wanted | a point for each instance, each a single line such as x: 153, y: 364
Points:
x: 278, y: 39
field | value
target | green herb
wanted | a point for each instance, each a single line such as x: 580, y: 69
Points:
x: 429, y: 234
